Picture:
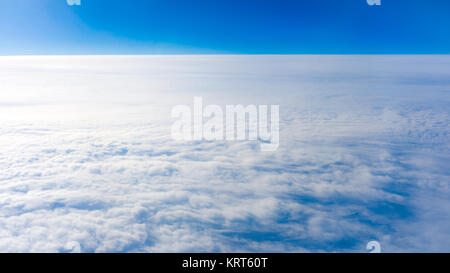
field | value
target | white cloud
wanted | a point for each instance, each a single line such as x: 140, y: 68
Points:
x: 86, y: 154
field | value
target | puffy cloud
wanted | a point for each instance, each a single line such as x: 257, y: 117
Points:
x: 86, y: 155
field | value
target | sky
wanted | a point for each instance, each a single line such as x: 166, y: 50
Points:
x: 87, y: 156
x: 49, y: 27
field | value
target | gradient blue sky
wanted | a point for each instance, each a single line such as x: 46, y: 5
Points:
x: 224, y: 26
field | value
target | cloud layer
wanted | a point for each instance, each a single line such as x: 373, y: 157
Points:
x: 86, y: 155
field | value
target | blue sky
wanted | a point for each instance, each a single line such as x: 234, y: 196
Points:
x: 232, y: 26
